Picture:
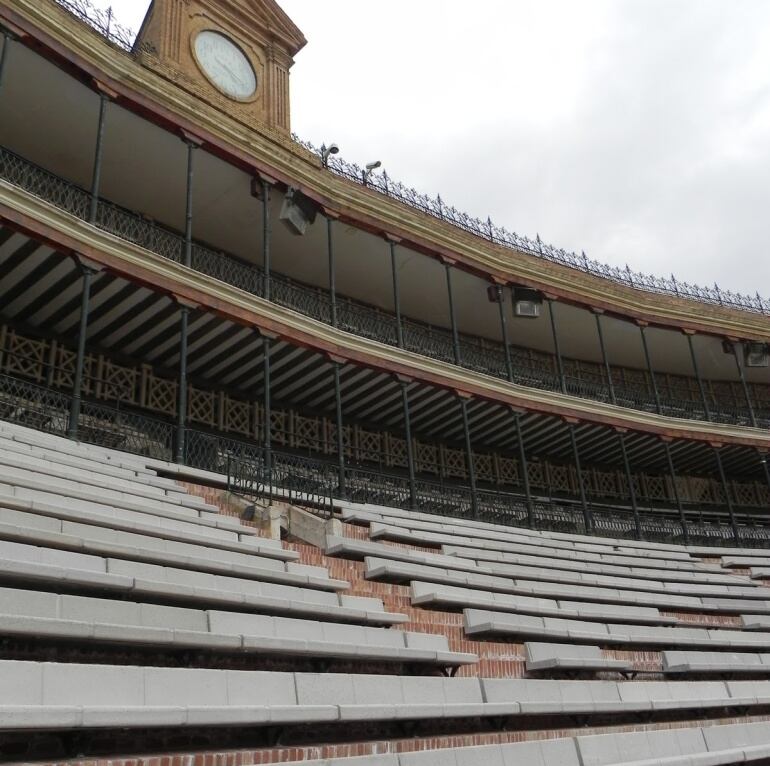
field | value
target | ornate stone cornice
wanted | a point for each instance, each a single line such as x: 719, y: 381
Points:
x: 273, y: 153
x: 68, y: 233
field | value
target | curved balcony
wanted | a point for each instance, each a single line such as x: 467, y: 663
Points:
x: 475, y: 353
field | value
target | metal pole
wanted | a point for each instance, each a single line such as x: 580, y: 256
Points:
x: 469, y: 457
x: 98, y: 151
x: 409, y: 450
x: 650, y: 370
x: 452, y: 317
x: 267, y: 426
x: 675, y: 490
x: 266, y: 238
x: 7, y: 37
x: 765, y: 466
x: 631, y: 488
x: 396, y: 295
x: 728, y: 498
x: 72, y: 430
x: 605, y: 358
x: 504, y: 330
x: 739, y: 365
x: 181, y: 411
x: 581, y: 486
x: 696, y: 369
x: 340, y: 431
x: 523, y: 470
x: 332, y: 283
x: 191, y: 147
x: 556, y: 347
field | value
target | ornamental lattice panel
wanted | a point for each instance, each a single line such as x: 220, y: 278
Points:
x: 427, y: 458
x: 236, y: 415
x: 397, y: 456
x: 202, y: 406
x: 485, y: 466
x: 454, y: 462
x: 24, y: 356
x: 508, y: 470
x: 116, y: 383
x: 64, y: 370
x: 158, y: 394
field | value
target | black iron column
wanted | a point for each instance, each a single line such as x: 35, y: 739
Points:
x: 7, y: 38
x: 556, y: 347
x: 98, y: 151
x: 581, y: 485
x: 181, y: 403
x: 696, y: 370
x: 332, y: 270
x: 265, y: 197
x: 340, y: 430
x: 409, y: 447
x: 649, y: 368
x: 605, y: 358
x: 504, y: 330
x: 396, y: 293
x: 746, y: 394
x: 675, y: 490
x: 267, y: 424
x: 524, y: 470
x: 469, y: 457
x: 181, y: 415
x: 630, y: 481
x: 452, y: 317
x: 72, y: 429
x: 728, y: 493
x: 765, y: 466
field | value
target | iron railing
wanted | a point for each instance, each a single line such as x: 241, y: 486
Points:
x: 478, y: 354
x: 315, y: 482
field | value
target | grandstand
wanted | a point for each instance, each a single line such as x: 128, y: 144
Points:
x: 300, y: 466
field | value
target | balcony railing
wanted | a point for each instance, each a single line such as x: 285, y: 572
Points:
x: 478, y: 354
x: 316, y: 481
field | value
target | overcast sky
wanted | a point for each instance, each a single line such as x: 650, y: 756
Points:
x: 636, y: 130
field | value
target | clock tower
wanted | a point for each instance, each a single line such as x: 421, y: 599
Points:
x: 233, y: 54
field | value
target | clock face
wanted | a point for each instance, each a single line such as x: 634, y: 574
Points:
x: 225, y: 64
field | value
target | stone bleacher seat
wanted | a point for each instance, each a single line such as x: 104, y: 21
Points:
x: 72, y: 695
x: 722, y: 663
x: 571, y: 657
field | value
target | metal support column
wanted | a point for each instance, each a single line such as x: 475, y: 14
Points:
x: 452, y: 317
x: 675, y: 490
x: 266, y: 238
x: 409, y: 446
x: 763, y: 458
x: 98, y: 152
x: 72, y: 429
x: 524, y: 470
x: 581, y: 484
x: 267, y: 424
x: 605, y: 358
x: 504, y: 331
x: 396, y: 294
x: 7, y: 38
x: 340, y: 428
x: 332, y: 270
x: 649, y: 369
x: 469, y: 457
x: 191, y: 147
x: 181, y: 403
x: 696, y: 370
x: 728, y: 494
x: 556, y: 346
x: 744, y: 384
x: 630, y: 481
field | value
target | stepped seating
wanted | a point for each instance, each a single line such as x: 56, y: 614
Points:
x: 107, y: 595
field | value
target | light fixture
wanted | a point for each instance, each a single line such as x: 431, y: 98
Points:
x: 326, y: 151
x: 526, y: 302
x: 370, y: 168
x: 297, y: 211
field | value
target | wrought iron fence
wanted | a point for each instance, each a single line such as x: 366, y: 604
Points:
x: 102, y: 21
x: 477, y: 354
x: 315, y: 482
